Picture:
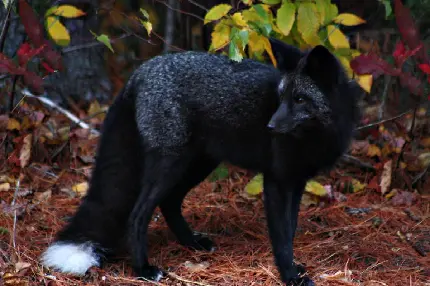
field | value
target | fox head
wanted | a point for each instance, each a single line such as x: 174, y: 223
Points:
x: 315, y: 92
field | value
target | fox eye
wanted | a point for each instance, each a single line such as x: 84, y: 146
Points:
x: 299, y: 99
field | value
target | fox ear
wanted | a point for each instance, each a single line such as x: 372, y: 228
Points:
x: 287, y: 56
x: 322, y: 66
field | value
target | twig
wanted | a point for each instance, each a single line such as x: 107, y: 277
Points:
x: 174, y: 276
x: 5, y: 26
x: 383, y: 121
x: 355, y: 161
x: 71, y: 116
x: 15, y: 194
x: 92, y: 44
x: 387, y: 79
x: 420, y: 175
x: 180, y: 11
x: 198, y: 5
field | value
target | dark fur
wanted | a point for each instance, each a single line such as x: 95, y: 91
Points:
x: 180, y: 115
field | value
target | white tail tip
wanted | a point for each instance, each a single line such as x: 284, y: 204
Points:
x: 70, y: 257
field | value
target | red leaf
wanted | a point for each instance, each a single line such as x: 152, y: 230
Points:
x: 372, y: 64
x: 8, y: 66
x: 53, y: 59
x: 31, y: 23
x: 400, y: 50
x: 25, y: 53
x: 47, y: 67
x: 407, y: 28
x: 425, y: 68
x: 412, y: 83
x: 33, y: 81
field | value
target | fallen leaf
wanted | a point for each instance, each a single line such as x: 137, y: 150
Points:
x: 386, y: 177
x: 339, y: 276
x: 425, y: 142
x: 13, y: 124
x: 373, y: 150
x: 424, y: 159
x: 316, y: 188
x: 196, y: 267
x: 403, y: 198
x: 24, y: 155
x: 44, y: 196
x: 81, y: 188
x: 21, y: 265
x: 357, y: 186
x: 255, y: 185
x: 4, y: 187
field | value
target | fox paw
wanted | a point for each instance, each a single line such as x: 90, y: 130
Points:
x: 150, y: 272
x: 301, y: 281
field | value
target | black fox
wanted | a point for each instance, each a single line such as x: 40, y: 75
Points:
x: 182, y: 114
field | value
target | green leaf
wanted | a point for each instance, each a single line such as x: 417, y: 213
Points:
x: 271, y: 2
x: 217, y: 12
x: 255, y: 185
x: 102, y: 38
x: 285, y: 17
x: 308, y: 23
x: 221, y: 34
x: 261, y: 12
x: 144, y: 13
x: 221, y: 172
x: 388, y: 8
x: 234, y: 52
x: 240, y: 35
x: 330, y: 10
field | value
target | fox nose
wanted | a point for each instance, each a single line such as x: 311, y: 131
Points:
x: 271, y: 125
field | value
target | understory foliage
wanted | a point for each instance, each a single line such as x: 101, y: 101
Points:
x: 306, y: 24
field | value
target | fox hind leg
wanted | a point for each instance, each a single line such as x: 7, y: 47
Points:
x: 171, y: 206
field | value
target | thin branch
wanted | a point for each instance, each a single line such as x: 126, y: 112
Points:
x: 5, y: 26
x: 93, y: 44
x: 186, y: 281
x: 373, y: 124
x: 71, y: 116
x: 198, y: 5
x: 355, y: 161
x: 180, y: 11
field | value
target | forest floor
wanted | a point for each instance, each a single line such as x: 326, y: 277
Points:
x: 356, y: 234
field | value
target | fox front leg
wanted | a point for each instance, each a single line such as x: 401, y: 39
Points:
x: 281, y: 203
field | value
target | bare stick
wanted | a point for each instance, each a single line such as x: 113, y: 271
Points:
x: 5, y: 26
x: 383, y: 121
x: 71, y: 116
x: 15, y: 194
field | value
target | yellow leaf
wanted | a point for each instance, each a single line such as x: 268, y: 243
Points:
x: 238, y: 20
x: 247, y: 2
x: 148, y: 26
x: 220, y: 35
x: 345, y: 62
x: 255, y: 186
x: 357, y: 186
x: 424, y: 159
x: 308, y: 23
x: 285, y: 17
x: 57, y: 31
x: 67, y: 11
x: 365, y: 81
x: 316, y: 188
x: 80, y: 189
x: 373, y: 150
x: 256, y: 42
x: 13, y: 124
x: 269, y: 51
x: 217, y: 12
x: 336, y: 38
x: 348, y: 19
